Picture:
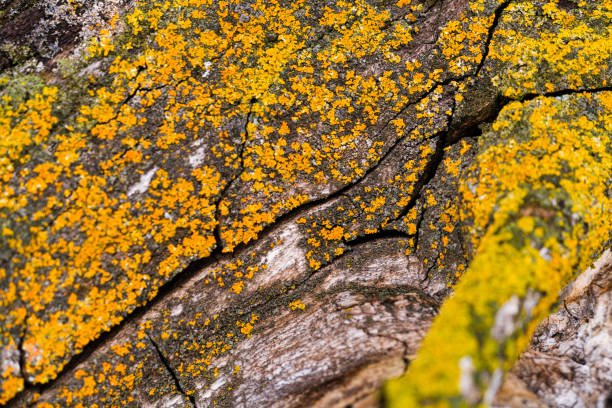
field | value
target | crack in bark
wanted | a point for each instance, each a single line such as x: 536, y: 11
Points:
x: 22, y: 356
x: 428, y: 174
x: 226, y: 188
x: 564, y: 92
x: 385, y: 336
x: 568, y: 311
x: 127, y: 99
x: 496, y: 17
x: 377, y: 236
x: 428, y: 272
x: 168, y: 368
x: 417, y: 234
x: 367, y: 239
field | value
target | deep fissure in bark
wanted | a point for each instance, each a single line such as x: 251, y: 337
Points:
x: 166, y: 364
x: 217, y: 229
x: 22, y: 357
x: 496, y: 17
x: 377, y: 236
x: 565, y: 92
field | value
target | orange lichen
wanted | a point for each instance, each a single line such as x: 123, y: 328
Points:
x: 297, y: 304
x: 208, y: 123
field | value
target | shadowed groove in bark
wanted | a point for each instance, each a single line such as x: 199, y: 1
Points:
x: 564, y: 92
x: 418, y: 227
x: 496, y: 17
x: 133, y: 93
x: 166, y: 364
x: 22, y: 357
x: 378, y: 236
x: 217, y: 230
x: 429, y: 173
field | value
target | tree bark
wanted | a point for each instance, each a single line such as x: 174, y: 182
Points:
x: 267, y: 204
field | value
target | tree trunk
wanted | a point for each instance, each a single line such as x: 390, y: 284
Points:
x: 268, y: 203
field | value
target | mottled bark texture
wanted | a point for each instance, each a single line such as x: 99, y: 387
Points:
x: 569, y: 360
x: 266, y: 203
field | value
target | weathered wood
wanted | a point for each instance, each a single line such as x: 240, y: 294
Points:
x: 265, y: 204
x: 569, y: 361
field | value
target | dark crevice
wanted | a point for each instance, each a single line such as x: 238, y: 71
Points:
x: 447, y: 138
x: 377, y: 236
x: 568, y: 311
x: 127, y: 98
x: 430, y: 170
x: 166, y: 364
x: 608, y: 402
x: 406, y: 361
x: 432, y: 165
x: 135, y: 92
x: 471, y: 127
x: 428, y: 272
x: 496, y: 17
x: 22, y: 357
x: 226, y: 188
x: 564, y: 92
x: 428, y: 173
x: 417, y: 234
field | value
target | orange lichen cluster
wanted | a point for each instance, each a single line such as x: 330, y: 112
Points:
x: 23, y: 123
x: 562, y: 49
x: 297, y: 304
x: 193, y: 99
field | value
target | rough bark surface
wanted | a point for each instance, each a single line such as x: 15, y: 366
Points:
x: 237, y: 221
